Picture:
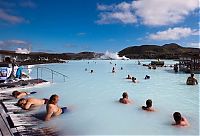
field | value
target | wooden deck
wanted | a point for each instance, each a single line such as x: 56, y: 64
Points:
x: 22, y: 83
x: 15, y: 121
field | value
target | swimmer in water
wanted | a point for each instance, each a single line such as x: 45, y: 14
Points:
x: 91, y: 71
x: 113, y: 70
x: 179, y: 120
x: 53, y: 109
x: 148, y: 106
x: 147, y: 77
x: 129, y: 77
x: 192, y: 80
x: 134, y: 80
x: 124, y: 98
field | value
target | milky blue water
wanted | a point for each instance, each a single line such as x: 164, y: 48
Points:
x: 93, y: 98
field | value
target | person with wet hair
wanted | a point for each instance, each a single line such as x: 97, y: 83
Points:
x: 53, y: 109
x: 192, y: 80
x: 129, y: 77
x: 147, y: 77
x: 134, y: 80
x: 18, y: 94
x: 148, y: 106
x: 179, y: 120
x: 29, y: 102
x: 124, y: 98
x: 113, y: 70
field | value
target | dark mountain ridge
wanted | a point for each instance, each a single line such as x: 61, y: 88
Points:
x: 166, y: 51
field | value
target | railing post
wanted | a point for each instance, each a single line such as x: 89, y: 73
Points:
x: 41, y: 72
x: 52, y: 75
x: 37, y: 75
x: 64, y: 78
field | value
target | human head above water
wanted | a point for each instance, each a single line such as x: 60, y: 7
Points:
x: 149, y: 103
x: 53, y: 99
x: 192, y: 74
x: 125, y: 95
x: 177, y: 117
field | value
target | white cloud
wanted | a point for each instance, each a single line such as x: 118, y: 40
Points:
x: 164, y: 12
x: 149, y: 12
x: 173, y: 33
x: 120, y: 13
x: 22, y: 51
x: 193, y: 45
x: 14, y: 44
x: 114, y: 17
x: 10, y: 18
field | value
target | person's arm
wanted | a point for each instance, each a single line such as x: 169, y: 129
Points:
x: 22, y: 94
x: 49, y: 113
x: 196, y: 82
x: 184, y: 122
x: 26, y: 106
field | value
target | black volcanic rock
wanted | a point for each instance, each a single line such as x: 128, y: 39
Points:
x: 167, y: 51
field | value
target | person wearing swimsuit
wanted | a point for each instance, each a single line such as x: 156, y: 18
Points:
x: 53, y: 109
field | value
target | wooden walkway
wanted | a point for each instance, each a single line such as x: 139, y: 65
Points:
x: 22, y: 83
x: 15, y: 121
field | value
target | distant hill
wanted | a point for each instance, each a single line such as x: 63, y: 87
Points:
x: 167, y: 51
x: 43, y: 57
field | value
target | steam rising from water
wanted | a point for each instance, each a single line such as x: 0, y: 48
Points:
x: 115, y: 56
x: 22, y: 51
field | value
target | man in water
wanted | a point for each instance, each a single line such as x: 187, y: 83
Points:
x: 53, y: 109
x: 148, y: 106
x: 129, y: 77
x: 147, y: 77
x: 124, y: 98
x: 179, y: 120
x: 29, y: 102
x: 113, y: 70
x: 18, y: 94
x: 191, y: 80
x: 134, y: 80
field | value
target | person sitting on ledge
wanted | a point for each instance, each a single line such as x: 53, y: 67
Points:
x: 124, y: 98
x: 179, y: 120
x: 191, y: 80
x: 148, y: 106
x: 53, y: 109
x: 129, y: 77
x: 18, y: 94
x: 147, y: 77
x: 29, y: 102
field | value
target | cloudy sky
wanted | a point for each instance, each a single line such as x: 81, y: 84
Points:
x: 97, y: 25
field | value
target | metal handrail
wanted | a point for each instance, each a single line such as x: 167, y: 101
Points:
x: 52, y: 72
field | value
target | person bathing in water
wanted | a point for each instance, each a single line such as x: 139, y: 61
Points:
x: 125, y: 99
x: 29, y: 102
x: 192, y: 80
x: 179, y: 120
x: 148, y: 106
x: 21, y: 94
x: 53, y: 109
x: 147, y: 77
x: 113, y: 70
x: 134, y: 80
x: 129, y: 77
